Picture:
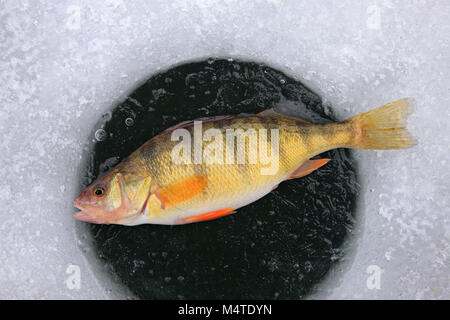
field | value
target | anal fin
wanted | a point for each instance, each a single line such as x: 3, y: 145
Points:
x: 307, y: 167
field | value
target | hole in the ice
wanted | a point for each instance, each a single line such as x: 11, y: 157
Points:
x: 280, y: 246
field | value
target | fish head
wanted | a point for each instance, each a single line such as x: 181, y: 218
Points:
x: 106, y: 201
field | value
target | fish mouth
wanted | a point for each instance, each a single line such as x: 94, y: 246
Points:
x: 86, y: 216
x: 82, y: 215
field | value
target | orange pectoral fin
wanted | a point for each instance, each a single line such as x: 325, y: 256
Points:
x: 208, y: 215
x: 307, y: 167
x: 181, y: 191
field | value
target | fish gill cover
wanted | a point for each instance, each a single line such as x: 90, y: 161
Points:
x: 278, y: 247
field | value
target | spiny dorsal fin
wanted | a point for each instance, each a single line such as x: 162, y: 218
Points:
x: 272, y: 113
x: 203, y: 119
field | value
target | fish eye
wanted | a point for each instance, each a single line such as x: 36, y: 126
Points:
x: 99, y: 191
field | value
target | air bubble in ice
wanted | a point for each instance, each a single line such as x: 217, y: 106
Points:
x: 107, y: 116
x: 100, y: 135
x: 129, y: 122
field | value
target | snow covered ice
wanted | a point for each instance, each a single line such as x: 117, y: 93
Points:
x: 65, y: 63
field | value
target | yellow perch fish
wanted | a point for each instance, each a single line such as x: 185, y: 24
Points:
x: 205, y: 169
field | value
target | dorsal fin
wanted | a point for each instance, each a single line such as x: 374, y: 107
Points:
x: 203, y: 119
x: 272, y: 113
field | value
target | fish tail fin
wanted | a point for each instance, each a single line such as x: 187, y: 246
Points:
x: 384, y: 127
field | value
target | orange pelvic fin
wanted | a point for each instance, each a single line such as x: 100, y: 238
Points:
x: 181, y: 191
x: 209, y: 215
x: 307, y: 167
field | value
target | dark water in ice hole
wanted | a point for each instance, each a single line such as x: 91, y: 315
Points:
x: 278, y: 247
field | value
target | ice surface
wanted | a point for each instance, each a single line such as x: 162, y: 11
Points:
x: 63, y: 64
